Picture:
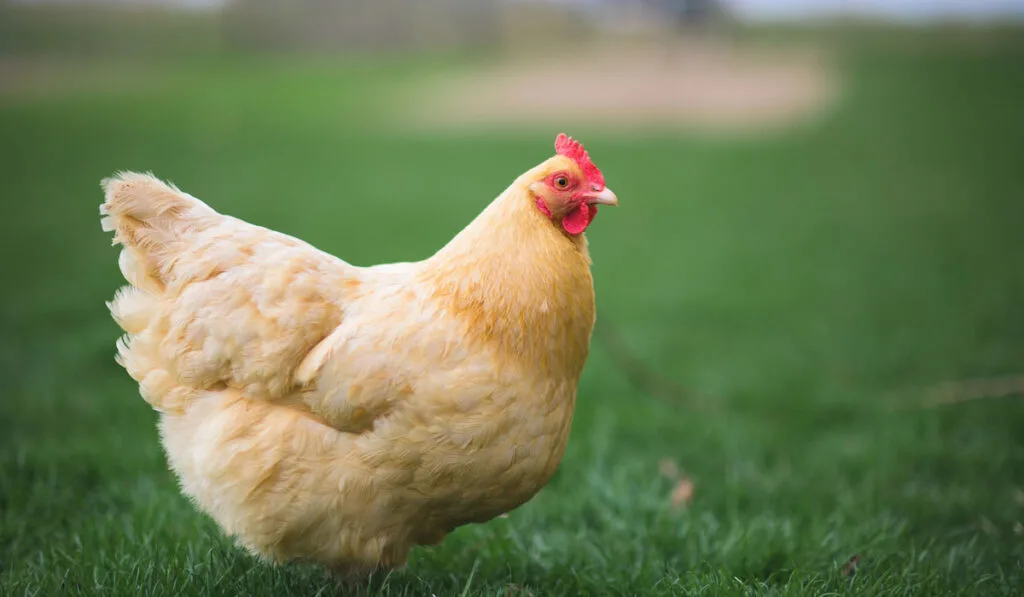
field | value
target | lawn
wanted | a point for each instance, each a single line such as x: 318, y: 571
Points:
x: 804, y: 288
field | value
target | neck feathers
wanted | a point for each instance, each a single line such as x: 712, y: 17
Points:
x: 520, y: 283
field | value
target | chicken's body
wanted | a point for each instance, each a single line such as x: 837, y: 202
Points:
x: 338, y: 414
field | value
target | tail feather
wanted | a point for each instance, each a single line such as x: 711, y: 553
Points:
x: 150, y: 218
x: 132, y: 309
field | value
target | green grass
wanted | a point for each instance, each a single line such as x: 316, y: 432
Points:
x: 802, y: 285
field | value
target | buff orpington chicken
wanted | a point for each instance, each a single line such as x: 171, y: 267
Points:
x: 342, y: 415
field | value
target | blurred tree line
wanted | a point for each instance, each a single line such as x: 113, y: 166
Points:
x: 128, y: 30
x: 328, y: 25
x: 405, y: 24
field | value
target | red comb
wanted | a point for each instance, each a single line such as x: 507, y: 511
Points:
x: 573, y: 149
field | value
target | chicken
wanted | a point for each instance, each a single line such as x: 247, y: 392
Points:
x: 324, y: 412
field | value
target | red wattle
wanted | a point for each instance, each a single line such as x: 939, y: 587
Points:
x: 577, y: 220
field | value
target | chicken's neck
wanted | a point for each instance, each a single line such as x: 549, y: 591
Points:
x: 521, y: 283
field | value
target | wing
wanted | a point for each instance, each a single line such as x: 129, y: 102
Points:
x: 369, y: 361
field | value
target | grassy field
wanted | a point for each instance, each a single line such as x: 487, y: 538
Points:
x: 803, y: 287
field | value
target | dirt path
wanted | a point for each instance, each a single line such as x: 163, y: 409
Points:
x: 705, y: 85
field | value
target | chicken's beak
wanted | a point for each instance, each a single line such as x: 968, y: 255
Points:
x: 605, y: 197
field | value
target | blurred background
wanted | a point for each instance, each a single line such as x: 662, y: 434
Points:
x: 809, y: 358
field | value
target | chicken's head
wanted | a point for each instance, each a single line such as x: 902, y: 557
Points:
x: 569, y: 187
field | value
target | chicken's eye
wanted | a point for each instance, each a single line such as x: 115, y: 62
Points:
x: 561, y: 182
